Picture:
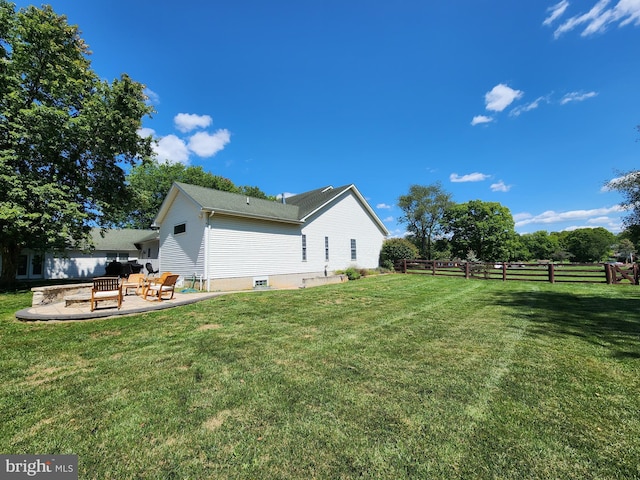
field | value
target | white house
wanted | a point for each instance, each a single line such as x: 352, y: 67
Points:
x: 232, y: 241
x: 121, y: 245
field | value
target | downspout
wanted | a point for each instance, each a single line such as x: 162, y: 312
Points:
x: 206, y: 251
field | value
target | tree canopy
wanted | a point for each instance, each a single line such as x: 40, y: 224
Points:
x: 589, y: 244
x: 628, y: 185
x: 540, y: 245
x: 395, y: 249
x: 484, y: 230
x: 65, y: 135
x: 151, y: 182
x: 423, y: 211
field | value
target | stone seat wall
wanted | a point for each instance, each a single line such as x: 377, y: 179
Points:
x: 56, y: 293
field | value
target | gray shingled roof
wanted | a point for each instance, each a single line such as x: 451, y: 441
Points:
x: 240, y: 205
x: 295, y: 209
x: 309, y: 202
x: 124, y: 239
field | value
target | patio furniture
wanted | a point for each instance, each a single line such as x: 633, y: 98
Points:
x: 106, y: 288
x: 161, y: 286
x: 136, y: 281
x: 150, y: 269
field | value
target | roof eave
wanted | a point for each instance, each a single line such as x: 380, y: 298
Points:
x: 231, y: 213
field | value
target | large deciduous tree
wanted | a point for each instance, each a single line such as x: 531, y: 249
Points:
x: 423, y: 211
x: 65, y: 136
x: 540, y: 245
x: 589, y: 244
x: 151, y: 182
x: 484, y: 230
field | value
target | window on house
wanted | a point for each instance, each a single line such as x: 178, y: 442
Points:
x: 112, y: 257
x: 326, y: 249
x: 180, y: 228
x: 354, y: 253
x: 38, y: 265
x: 23, y: 262
x: 123, y: 257
x: 304, y: 248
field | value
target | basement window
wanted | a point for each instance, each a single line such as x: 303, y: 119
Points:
x: 260, y: 282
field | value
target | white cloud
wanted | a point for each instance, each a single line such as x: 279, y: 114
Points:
x: 601, y: 16
x: 471, y: 177
x: 479, y: 119
x: 556, y: 11
x: 185, y: 122
x: 576, y: 97
x: 600, y: 220
x: 205, y: 144
x: 500, y: 187
x: 145, y: 132
x: 551, y: 216
x: 171, y: 149
x: 152, y: 97
x: 529, y: 106
x: 389, y: 220
x: 500, y: 97
x: 383, y: 205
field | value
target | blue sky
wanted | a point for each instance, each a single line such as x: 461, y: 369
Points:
x: 530, y: 104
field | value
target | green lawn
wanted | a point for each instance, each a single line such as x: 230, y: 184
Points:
x: 397, y: 376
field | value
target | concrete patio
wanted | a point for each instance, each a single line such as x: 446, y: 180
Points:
x: 131, y: 304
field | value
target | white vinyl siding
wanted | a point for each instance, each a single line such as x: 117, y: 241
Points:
x: 182, y: 253
x: 241, y: 247
x: 343, y: 220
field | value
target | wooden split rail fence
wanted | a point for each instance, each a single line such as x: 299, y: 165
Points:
x: 533, y: 272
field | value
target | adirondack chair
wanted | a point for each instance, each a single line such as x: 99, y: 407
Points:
x: 166, y: 284
x: 106, y: 288
x: 135, y: 280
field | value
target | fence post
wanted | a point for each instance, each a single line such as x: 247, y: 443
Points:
x: 466, y: 270
x: 504, y: 271
x: 433, y: 267
x: 607, y: 273
x: 552, y: 278
x: 404, y: 265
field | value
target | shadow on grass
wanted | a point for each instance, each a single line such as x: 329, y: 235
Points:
x: 613, y: 323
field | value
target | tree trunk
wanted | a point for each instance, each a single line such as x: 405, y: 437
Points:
x: 10, y: 255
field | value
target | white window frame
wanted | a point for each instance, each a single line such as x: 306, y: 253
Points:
x: 177, y: 225
x: 304, y: 247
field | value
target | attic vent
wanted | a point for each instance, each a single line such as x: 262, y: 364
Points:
x: 247, y: 200
x: 327, y: 189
